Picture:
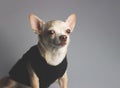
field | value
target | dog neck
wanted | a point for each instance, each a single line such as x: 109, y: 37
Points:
x: 53, y: 56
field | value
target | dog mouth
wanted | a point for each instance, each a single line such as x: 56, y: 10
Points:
x: 61, y: 44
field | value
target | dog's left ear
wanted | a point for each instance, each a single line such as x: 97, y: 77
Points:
x: 36, y: 23
x: 71, y: 21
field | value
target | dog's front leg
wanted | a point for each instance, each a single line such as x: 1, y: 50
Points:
x: 63, y: 81
x: 33, y: 78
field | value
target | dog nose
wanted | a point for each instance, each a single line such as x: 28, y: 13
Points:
x: 63, y: 37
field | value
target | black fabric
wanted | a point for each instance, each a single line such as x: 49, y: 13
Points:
x: 46, y: 73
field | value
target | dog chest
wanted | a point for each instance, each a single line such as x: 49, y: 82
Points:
x: 45, y: 72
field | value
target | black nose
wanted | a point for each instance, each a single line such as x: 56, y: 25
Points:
x: 63, y: 37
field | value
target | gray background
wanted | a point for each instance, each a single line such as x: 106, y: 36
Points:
x: 94, y: 52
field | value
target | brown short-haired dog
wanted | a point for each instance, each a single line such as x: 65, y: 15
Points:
x: 45, y: 62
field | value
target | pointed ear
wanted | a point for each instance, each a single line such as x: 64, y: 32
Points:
x: 36, y: 23
x: 71, y: 21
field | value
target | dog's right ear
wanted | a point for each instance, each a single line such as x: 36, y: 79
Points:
x: 36, y: 23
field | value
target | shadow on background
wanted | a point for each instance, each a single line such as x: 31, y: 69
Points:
x: 6, y: 53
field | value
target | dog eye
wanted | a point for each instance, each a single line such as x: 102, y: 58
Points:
x: 51, y: 32
x: 68, y: 31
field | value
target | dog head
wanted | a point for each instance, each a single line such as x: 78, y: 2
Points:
x: 55, y: 33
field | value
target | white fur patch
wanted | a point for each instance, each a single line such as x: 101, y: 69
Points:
x: 55, y: 57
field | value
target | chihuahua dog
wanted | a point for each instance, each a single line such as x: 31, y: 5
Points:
x: 45, y: 62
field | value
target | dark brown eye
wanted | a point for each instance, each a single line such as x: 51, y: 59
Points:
x: 51, y: 32
x: 68, y: 31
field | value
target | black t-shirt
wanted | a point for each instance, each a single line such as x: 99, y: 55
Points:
x: 45, y: 72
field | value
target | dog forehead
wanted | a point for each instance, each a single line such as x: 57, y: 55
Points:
x: 56, y: 24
